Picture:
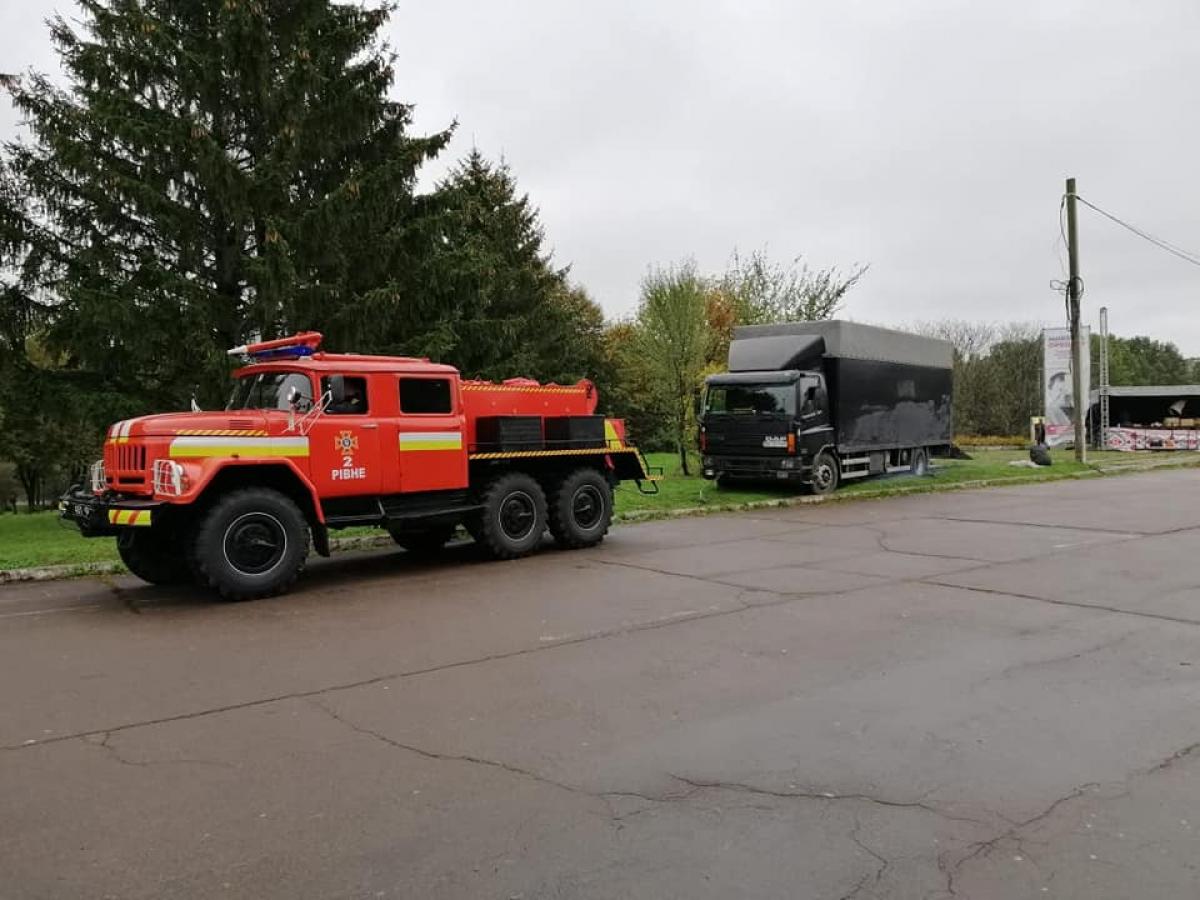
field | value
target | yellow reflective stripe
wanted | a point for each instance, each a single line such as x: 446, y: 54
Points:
x: 525, y: 454
x: 521, y: 389
x: 610, y: 434
x: 135, y: 517
x: 430, y: 440
x: 202, y: 447
x: 430, y: 445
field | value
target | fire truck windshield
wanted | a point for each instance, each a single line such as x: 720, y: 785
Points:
x: 272, y: 390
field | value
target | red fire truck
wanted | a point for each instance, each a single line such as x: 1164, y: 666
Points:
x: 314, y: 441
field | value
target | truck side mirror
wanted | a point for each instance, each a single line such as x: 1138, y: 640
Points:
x: 337, y: 389
x: 697, y: 404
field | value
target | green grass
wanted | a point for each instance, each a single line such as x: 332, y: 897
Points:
x: 41, y: 539
x: 676, y: 491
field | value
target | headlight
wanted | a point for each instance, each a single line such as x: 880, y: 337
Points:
x: 98, y: 478
x: 169, y: 478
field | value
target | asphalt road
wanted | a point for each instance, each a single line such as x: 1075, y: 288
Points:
x: 985, y: 695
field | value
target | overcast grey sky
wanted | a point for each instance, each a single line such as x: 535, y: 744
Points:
x: 929, y: 139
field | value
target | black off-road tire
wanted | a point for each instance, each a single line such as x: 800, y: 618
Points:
x: 581, y: 507
x: 427, y: 541
x: 153, y: 556
x: 513, y: 518
x: 826, y: 474
x: 251, y: 543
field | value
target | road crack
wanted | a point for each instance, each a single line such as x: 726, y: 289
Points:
x: 830, y: 797
x: 105, y: 744
x: 872, y: 878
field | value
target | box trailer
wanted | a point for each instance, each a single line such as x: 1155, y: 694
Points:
x: 819, y: 402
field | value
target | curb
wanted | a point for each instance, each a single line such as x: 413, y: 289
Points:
x: 341, y: 545
x: 1106, y: 471
x: 83, y: 570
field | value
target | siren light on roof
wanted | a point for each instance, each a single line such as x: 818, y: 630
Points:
x: 303, y: 344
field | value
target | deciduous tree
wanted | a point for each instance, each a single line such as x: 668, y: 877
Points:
x: 673, y: 334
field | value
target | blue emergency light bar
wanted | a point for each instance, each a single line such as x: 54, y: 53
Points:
x: 293, y: 347
x: 282, y: 353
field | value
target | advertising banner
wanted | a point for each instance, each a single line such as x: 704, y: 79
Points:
x: 1058, y: 383
x: 1153, y: 439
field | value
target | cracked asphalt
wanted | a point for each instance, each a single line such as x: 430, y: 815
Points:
x: 990, y: 694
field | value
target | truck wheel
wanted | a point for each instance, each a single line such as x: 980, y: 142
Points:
x: 513, y: 518
x: 825, y: 473
x: 423, y: 541
x: 920, y: 462
x: 152, y: 556
x: 252, y: 543
x: 581, y: 509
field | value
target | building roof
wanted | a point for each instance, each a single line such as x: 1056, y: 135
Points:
x: 1175, y: 391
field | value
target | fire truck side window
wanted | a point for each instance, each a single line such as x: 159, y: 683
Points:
x: 428, y: 396
x: 353, y: 401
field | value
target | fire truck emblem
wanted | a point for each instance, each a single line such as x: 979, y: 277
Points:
x: 346, y: 442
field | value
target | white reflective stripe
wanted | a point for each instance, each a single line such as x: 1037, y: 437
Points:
x: 126, y: 425
x: 407, y: 437
x: 222, y: 445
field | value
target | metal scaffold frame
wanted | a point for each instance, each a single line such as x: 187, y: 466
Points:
x: 1104, y: 377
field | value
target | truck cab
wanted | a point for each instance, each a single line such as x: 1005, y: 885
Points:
x: 764, y: 425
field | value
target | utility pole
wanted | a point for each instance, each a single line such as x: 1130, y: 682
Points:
x: 1081, y: 399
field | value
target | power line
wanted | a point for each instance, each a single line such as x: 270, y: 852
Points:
x: 1185, y: 255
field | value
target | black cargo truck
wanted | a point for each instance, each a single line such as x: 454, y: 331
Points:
x: 819, y: 402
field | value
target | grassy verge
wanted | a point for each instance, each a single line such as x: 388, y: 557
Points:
x: 41, y: 539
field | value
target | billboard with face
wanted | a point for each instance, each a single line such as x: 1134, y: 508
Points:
x: 1058, y: 383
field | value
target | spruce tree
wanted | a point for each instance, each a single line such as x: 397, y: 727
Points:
x: 492, y: 287
x: 214, y: 171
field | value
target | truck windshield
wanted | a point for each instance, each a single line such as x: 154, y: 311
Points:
x: 751, y: 399
x: 271, y: 390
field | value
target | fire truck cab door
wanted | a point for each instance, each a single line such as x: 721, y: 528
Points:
x: 344, y: 440
x: 430, y: 440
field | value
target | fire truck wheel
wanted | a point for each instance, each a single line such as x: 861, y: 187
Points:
x: 152, y: 556
x: 251, y: 543
x: 513, y: 519
x: 581, y: 509
x: 423, y: 541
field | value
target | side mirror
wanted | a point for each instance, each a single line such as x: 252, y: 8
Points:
x: 697, y: 405
x: 337, y: 389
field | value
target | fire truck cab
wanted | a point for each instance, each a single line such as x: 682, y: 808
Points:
x: 313, y: 441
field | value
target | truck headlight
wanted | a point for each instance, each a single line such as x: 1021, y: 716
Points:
x: 98, y: 478
x: 169, y: 478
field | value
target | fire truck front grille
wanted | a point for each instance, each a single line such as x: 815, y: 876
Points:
x: 125, y: 466
x: 131, y: 457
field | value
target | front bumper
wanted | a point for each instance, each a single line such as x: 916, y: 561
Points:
x: 107, y: 514
x: 773, y: 468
